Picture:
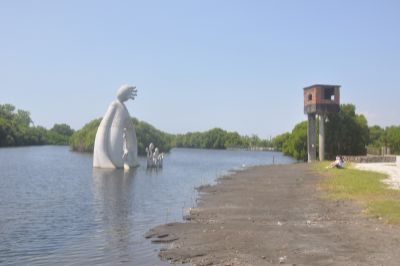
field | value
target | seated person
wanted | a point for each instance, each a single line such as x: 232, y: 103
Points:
x: 338, y: 163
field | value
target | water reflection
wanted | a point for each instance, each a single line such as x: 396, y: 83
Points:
x: 113, y: 196
x: 58, y: 210
x: 150, y: 171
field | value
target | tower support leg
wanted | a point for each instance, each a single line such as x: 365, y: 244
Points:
x: 321, y: 137
x: 311, y: 138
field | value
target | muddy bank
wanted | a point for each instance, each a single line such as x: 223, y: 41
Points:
x: 273, y: 215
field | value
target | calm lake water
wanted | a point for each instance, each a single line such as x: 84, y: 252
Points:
x: 55, y: 209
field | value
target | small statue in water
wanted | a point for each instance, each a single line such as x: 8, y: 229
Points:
x: 149, y: 152
x: 115, y: 145
x: 154, y: 159
x: 158, y: 158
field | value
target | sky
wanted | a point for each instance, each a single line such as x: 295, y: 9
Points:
x: 237, y: 65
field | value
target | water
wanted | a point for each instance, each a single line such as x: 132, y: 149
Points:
x: 55, y: 209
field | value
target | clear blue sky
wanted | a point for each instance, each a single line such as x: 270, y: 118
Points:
x: 238, y: 65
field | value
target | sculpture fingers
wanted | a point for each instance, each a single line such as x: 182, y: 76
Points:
x: 133, y: 95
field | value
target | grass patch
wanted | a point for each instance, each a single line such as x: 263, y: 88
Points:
x: 365, y: 187
x: 388, y: 210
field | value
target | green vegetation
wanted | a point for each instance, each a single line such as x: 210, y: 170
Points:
x: 59, y: 134
x: 83, y: 139
x: 347, y: 133
x: 16, y: 129
x: 364, y: 187
x: 351, y: 184
x: 296, y: 144
x: 146, y: 134
x: 391, y: 139
x: 388, y: 137
x: 220, y: 139
x: 293, y: 144
x: 387, y: 209
x: 280, y: 140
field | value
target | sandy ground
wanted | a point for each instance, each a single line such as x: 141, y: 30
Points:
x: 276, y: 215
x: 391, y: 169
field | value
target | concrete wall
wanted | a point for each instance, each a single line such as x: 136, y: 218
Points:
x: 371, y: 159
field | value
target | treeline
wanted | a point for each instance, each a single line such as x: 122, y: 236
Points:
x: 220, y: 139
x: 384, y: 137
x: 346, y: 133
x: 17, y: 129
x: 83, y: 139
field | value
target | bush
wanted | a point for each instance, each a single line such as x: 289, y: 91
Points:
x: 83, y: 139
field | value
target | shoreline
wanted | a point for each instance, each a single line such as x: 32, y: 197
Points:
x: 271, y: 215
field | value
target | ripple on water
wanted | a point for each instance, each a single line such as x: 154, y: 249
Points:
x: 57, y: 210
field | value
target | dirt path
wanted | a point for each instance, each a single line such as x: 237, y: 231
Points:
x: 273, y: 215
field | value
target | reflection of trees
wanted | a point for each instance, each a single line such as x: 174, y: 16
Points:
x: 113, y: 201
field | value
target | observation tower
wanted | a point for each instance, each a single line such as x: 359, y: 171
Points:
x: 319, y: 100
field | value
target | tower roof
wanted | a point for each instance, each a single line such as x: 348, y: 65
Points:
x: 320, y: 85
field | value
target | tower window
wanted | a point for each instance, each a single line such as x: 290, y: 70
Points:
x: 329, y: 93
x: 309, y: 97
